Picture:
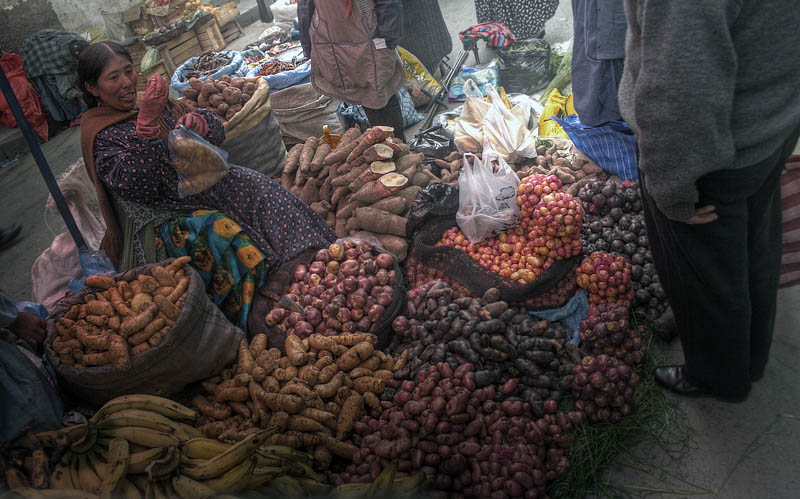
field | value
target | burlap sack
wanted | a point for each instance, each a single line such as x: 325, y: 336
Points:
x: 202, y: 342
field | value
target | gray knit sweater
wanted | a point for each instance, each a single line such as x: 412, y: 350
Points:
x: 708, y: 85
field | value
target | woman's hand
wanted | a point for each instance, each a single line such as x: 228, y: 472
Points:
x: 151, y: 106
x: 29, y: 328
x: 195, y: 122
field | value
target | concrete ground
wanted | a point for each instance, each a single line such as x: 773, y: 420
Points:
x: 732, y: 451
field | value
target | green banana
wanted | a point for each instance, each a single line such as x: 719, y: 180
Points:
x: 235, y: 479
x: 187, y: 488
x: 221, y: 463
x: 161, y: 405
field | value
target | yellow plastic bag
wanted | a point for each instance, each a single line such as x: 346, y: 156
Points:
x: 419, y: 82
x: 554, y: 106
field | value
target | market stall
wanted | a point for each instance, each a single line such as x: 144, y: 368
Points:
x: 483, y: 309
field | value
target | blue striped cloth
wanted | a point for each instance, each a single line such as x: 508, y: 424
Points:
x: 612, y: 146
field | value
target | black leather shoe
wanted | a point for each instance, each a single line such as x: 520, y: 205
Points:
x: 675, y: 379
x: 9, y: 236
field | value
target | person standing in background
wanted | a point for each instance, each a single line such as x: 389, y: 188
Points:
x: 525, y: 18
x: 425, y: 33
x: 351, y: 44
x: 598, y: 56
x: 712, y: 91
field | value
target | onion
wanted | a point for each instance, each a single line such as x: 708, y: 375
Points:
x: 349, y: 267
x: 384, y: 299
x: 369, y: 265
x: 294, y: 318
x: 350, y: 284
x: 316, y: 291
x: 336, y: 251
x: 343, y: 315
x: 357, y: 314
x: 339, y: 300
x: 317, y: 268
x: 323, y: 256
x: 349, y: 327
x: 300, y: 272
x: 401, y: 325
x: 351, y: 254
x: 375, y: 312
x: 318, y: 304
x: 329, y: 281
x: 314, y: 279
x: 364, y: 325
x: 332, y: 268
x: 313, y: 315
x: 332, y: 323
x: 384, y: 261
x: 382, y: 275
x: 303, y: 329
x: 357, y: 299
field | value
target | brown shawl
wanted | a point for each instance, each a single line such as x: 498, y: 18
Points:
x: 93, y: 122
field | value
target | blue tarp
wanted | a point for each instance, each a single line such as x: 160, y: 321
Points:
x: 298, y: 75
x: 237, y: 67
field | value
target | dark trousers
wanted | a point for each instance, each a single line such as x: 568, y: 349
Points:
x: 722, y: 278
x: 389, y: 115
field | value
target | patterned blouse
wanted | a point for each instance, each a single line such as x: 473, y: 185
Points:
x: 140, y: 170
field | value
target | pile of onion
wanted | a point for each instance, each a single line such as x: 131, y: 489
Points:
x: 346, y: 289
x: 607, y: 330
x: 607, y: 278
x: 603, y: 388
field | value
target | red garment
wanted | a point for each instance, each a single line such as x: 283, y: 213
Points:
x: 27, y: 96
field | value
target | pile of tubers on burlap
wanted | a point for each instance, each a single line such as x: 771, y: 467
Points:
x: 314, y: 393
x: 122, y: 319
x: 225, y: 96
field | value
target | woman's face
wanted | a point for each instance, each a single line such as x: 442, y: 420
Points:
x: 116, y: 86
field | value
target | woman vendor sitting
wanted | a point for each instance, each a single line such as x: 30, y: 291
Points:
x: 236, y: 232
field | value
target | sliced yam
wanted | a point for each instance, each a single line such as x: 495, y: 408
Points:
x: 381, y: 188
x: 376, y: 170
x: 399, y: 147
x: 378, y: 152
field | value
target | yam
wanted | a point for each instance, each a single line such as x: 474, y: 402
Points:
x: 318, y: 161
x: 380, y: 222
x: 351, y: 411
x: 328, y: 390
x: 295, y: 349
x: 148, y: 283
x: 349, y: 177
x: 409, y: 160
x: 378, y: 152
x: 118, y: 352
x: 347, y: 210
x: 310, y: 192
x: 139, y: 321
x: 167, y: 307
x: 338, y: 194
x: 355, y: 355
x: 340, y: 227
x: 258, y: 344
x: 381, y: 188
x: 399, y: 147
x: 139, y: 349
x: 244, y: 360
x: 96, y: 359
x: 91, y: 341
x: 307, y: 154
x: 195, y: 84
x: 292, y: 160
x: 352, y: 339
x: 157, y: 338
x: 100, y: 281
x: 341, y: 153
x: 375, y: 170
x: 291, y: 404
x: 101, y: 307
x: 395, y: 205
x: 326, y: 190
x: 370, y: 137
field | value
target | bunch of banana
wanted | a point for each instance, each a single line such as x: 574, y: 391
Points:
x: 386, y: 485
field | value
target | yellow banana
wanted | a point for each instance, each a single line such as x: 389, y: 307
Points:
x: 66, y: 458
x: 314, y: 488
x: 234, y: 479
x: 101, y: 452
x: 160, y: 492
x: 161, y: 405
x: 74, y: 476
x: 119, y: 457
x: 139, y: 481
x: 186, y: 488
x: 284, y: 452
x: 31, y: 493
x: 86, y: 442
x: 189, y: 431
x: 127, y: 490
x: 204, y: 448
x: 143, y: 436
x: 144, y: 419
x: 99, y: 466
x: 89, y: 480
x: 162, y: 467
x: 262, y: 475
x: 286, y: 486
x: 382, y: 485
x: 140, y: 460
x: 60, y: 477
x: 350, y: 491
x: 221, y: 463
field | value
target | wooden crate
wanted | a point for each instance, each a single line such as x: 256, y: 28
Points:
x: 210, y: 37
x: 144, y: 76
x: 176, y: 8
x: 227, y: 13
x: 178, y: 50
x: 231, y: 31
x: 137, y: 20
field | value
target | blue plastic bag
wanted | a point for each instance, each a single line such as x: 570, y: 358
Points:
x: 298, y: 75
x: 481, y: 77
x: 237, y: 67
x: 571, y: 315
x: 356, y: 112
x: 612, y: 146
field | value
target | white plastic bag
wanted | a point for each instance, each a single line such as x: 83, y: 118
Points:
x: 283, y: 11
x: 505, y: 131
x: 468, y: 133
x: 487, y: 197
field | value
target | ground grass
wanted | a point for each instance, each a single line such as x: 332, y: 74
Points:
x: 596, y: 445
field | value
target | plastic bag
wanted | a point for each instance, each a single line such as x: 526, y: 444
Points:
x: 554, y: 106
x: 447, y: 120
x: 487, y: 200
x: 283, y: 11
x: 505, y: 131
x: 479, y: 77
x: 199, y: 164
x: 419, y: 82
x: 468, y: 133
x: 433, y: 143
x: 524, y: 67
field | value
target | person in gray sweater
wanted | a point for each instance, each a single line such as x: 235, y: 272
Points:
x: 712, y: 91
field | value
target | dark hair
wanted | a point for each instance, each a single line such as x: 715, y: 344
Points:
x: 91, y: 62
